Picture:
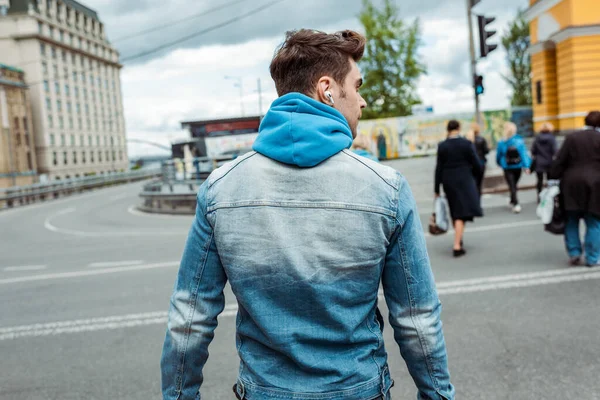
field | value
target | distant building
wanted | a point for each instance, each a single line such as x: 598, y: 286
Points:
x: 73, y: 75
x: 565, y: 59
x: 17, y: 144
x: 220, y: 137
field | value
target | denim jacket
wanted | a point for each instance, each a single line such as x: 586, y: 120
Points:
x: 305, y: 248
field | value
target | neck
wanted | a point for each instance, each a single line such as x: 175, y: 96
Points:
x: 453, y: 133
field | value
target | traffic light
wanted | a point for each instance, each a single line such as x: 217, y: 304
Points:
x: 484, y: 35
x: 478, y: 84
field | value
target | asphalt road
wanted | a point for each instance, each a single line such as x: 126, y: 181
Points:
x: 85, y: 284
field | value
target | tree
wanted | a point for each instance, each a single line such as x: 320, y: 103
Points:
x: 390, y: 65
x: 516, y: 42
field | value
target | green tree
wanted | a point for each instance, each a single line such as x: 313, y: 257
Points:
x: 390, y: 65
x: 516, y: 42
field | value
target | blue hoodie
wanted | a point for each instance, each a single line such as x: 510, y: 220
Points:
x: 301, y: 131
x: 517, y: 142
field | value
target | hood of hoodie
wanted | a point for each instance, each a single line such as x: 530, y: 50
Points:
x: 301, y: 131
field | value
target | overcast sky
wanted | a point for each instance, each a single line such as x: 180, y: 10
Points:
x: 187, y: 81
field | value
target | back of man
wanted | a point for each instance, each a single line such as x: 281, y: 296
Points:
x: 304, y: 231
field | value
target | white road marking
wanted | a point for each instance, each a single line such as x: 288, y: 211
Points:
x: 119, y: 197
x: 51, y: 227
x: 160, y: 317
x: 25, y: 268
x: 95, y: 324
x: 79, y: 274
x: 115, y: 264
x: 496, y: 227
x: 134, y: 211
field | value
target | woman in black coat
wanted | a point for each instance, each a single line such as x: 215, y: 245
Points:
x: 457, y: 170
x: 543, y: 151
x: 578, y: 167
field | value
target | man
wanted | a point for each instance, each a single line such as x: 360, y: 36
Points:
x: 577, y: 165
x: 304, y: 231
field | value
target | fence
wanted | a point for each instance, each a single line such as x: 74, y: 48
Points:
x: 22, y: 195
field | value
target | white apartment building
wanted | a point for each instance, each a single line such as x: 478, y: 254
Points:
x: 73, y: 75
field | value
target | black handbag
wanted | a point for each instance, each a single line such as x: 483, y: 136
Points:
x: 557, y: 225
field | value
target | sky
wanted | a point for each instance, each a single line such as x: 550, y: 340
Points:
x: 199, y: 78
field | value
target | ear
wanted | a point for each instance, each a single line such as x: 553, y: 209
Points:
x: 324, y: 84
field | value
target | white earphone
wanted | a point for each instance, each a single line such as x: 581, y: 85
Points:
x: 329, y: 96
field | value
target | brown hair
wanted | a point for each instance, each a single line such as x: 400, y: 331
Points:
x: 307, y: 55
x: 593, y: 119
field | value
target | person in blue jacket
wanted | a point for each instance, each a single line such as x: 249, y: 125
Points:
x: 512, y: 156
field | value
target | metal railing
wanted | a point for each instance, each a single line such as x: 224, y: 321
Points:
x: 21, y: 195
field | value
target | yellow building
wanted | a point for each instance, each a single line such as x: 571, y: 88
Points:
x: 17, y: 145
x: 565, y: 61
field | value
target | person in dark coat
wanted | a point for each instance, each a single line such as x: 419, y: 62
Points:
x: 482, y: 149
x: 577, y: 165
x: 543, y: 151
x: 457, y: 170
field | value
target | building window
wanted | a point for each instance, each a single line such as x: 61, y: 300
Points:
x: 83, y: 157
x: 69, y: 107
x: 107, y: 156
x: 29, y: 161
x: 61, y: 122
x: 46, y: 86
x: 26, y: 139
x: 53, y: 52
x: 114, y: 157
x: 51, y: 31
x: 55, y: 69
x: 112, y: 141
x: 538, y: 90
x: 61, y: 36
x: 91, y: 157
x: 43, y: 49
x: 52, y: 140
x: 55, y: 158
x: 80, y: 124
x: 65, y: 158
x: 48, y: 104
x: 65, y: 73
x: 64, y: 57
x: 76, y: 91
x: 18, y: 139
x: 90, y: 141
x: 40, y: 28
x: 71, y: 123
x: 78, y: 109
x: 99, y: 156
x: 83, y: 76
x: 87, y: 109
x: 67, y: 91
x: 74, y: 76
x: 98, y: 140
x: 58, y: 105
x: 50, y: 121
x: 72, y: 140
x: 56, y: 87
x: 81, y: 141
x: 120, y: 155
x: 45, y: 67
x: 74, y: 157
x: 73, y: 56
x: 62, y: 140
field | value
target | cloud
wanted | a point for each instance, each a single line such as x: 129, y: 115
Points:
x: 188, y: 81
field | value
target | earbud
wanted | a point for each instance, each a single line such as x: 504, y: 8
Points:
x: 329, y: 96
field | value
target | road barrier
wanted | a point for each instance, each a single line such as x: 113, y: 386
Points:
x: 23, y: 195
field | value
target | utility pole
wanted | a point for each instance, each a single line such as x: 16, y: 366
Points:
x: 470, y: 5
x: 259, y: 100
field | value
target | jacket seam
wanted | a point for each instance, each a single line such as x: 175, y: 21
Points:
x: 374, y: 350
x: 251, y: 154
x: 424, y: 348
x: 375, y: 172
x: 191, y: 304
x: 313, y: 205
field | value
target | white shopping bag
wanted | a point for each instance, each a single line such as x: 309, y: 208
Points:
x: 545, y: 209
x: 442, y: 220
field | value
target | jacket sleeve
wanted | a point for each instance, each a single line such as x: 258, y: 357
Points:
x: 438, y: 173
x: 474, y: 161
x: 486, y: 147
x: 534, y: 147
x: 524, y: 153
x: 196, y: 302
x: 415, y: 308
x: 561, y: 163
x: 554, y: 146
x: 500, y: 154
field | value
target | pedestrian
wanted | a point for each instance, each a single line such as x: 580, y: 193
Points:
x: 512, y: 156
x: 305, y: 231
x: 457, y: 170
x: 362, y: 147
x: 543, y: 150
x: 577, y: 165
x: 482, y: 149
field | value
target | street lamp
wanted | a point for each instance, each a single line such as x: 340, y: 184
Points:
x: 238, y: 84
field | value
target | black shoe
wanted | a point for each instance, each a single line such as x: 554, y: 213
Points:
x: 575, y: 261
x: 594, y: 265
x: 459, y: 253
